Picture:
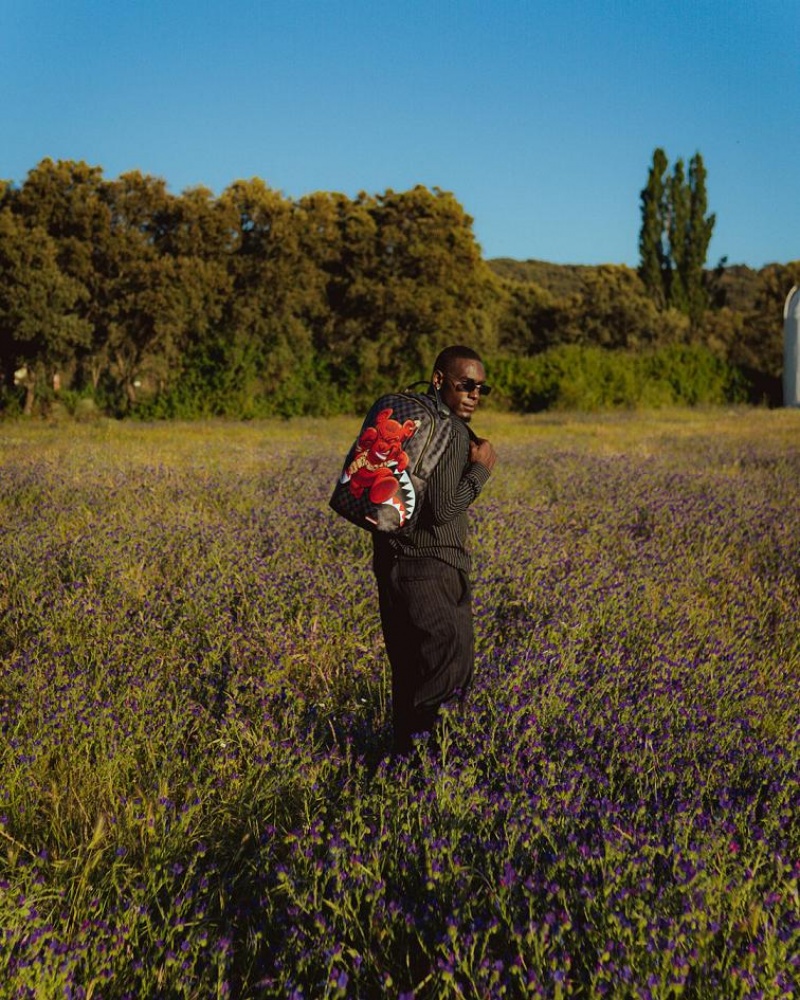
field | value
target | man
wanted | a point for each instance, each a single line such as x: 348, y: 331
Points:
x: 423, y: 576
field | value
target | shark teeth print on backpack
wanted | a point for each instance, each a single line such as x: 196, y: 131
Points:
x: 385, y: 473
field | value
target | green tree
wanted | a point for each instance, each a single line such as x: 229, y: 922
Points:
x: 67, y: 200
x: 529, y: 318
x: 699, y: 232
x: 614, y: 311
x: 131, y: 285
x: 264, y: 325
x: 690, y: 230
x: 675, y: 235
x: 195, y: 224
x: 654, y: 266
x: 679, y: 198
x: 419, y: 283
x: 165, y: 283
x: 342, y: 240
x: 40, y: 325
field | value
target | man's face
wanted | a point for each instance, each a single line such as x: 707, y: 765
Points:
x: 450, y: 385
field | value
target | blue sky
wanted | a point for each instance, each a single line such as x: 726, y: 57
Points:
x: 540, y: 117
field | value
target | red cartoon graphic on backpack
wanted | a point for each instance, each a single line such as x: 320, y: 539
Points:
x: 379, y: 463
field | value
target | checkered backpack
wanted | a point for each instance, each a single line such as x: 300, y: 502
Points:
x: 385, y: 473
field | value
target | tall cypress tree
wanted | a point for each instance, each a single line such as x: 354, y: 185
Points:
x: 675, y: 235
x: 654, y: 267
x: 700, y: 228
x: 678, y: 237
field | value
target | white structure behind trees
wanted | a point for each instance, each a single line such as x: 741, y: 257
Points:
x: 791, y: 348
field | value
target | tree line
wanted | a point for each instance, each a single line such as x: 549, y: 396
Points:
x: 118, y: 293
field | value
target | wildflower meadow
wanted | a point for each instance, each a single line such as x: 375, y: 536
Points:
x: 196, y: 797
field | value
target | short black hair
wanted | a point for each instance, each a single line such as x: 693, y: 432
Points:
x: 452, y: 353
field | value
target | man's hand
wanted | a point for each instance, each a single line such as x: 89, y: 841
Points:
x: 482, y: 452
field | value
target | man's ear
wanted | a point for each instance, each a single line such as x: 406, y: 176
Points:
x: 437, y: 378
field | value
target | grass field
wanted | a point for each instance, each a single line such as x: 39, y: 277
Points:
x: 195, y: 798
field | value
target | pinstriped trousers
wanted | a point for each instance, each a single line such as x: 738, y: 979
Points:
x: 426, y: 616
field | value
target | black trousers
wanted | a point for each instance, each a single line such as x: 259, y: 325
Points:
x: 426, y: 615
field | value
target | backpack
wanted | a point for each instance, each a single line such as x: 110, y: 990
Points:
x: 385, y: 473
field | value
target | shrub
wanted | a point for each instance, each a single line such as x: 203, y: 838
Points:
x: 593, y: 379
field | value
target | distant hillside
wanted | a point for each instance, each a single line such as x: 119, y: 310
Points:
x: 559, y: 279
x: 737, y: 284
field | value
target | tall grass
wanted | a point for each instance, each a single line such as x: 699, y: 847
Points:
x: 195, y: 796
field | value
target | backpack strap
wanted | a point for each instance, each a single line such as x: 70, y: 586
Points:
x: 443, y: 410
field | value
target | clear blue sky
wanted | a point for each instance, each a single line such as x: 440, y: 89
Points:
x: 540, y: 117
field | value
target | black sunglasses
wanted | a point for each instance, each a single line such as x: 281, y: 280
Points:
x: 469, y: 385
